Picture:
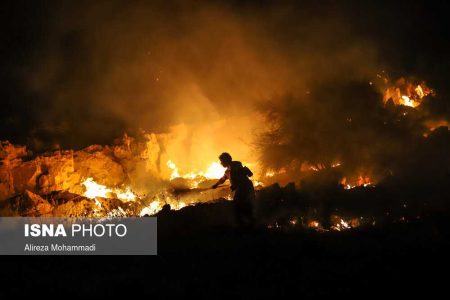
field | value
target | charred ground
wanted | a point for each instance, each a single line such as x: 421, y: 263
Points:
x: 201, y: 252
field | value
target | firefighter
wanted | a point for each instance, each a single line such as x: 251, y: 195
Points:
x: 244, y: 193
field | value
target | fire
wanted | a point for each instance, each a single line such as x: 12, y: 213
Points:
x: 335, y: 165
x: 408, y: 102
x: 419, y: 91
x: 94, y: 190
x: 126, y: 195
x: 257, y: 183
x: 173, y: 167
x: 293, y: 221
x: 307, y: 166
x: 341, y: 225
x: 361, y: 181
x: 313, y: 224
x: 157, y: 205
x: 152, y: 209
x: 406, y: 93
x: 214, y: 171
x: 270, y: 173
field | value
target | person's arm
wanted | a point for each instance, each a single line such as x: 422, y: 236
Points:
x: 220, y: 181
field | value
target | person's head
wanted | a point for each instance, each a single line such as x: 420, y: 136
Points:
x: 225, y: 159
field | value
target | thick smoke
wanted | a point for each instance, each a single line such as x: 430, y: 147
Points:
x: 295, y: 76
x: 109, y: 66
x: 116, y: 66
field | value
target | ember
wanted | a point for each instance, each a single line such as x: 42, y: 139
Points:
x: 406, y: 93
x: 361, y: 181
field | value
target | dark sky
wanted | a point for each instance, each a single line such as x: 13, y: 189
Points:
x: 57, y: 75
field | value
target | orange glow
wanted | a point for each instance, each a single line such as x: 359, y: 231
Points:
x: 407, y: 94
x: 406, y: 101
x: 361, y: 181
x: 214, y: 171
x: 94, y: 190
x: 313, y: 224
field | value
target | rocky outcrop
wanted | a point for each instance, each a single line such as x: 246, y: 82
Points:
x: 56, y: 171
x: 52, y: 183
x: 127, y: 163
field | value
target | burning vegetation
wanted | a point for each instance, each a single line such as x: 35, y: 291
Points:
x: 405, y: 93
x: 95, y: 181
x: 296, y: 100
x: 137, y: 176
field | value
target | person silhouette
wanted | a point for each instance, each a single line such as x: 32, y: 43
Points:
x: 244, y: 192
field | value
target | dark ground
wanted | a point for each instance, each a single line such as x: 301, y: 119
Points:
x: 400, y: 258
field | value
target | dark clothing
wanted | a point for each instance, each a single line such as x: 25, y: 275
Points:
x: 244, y: 193
x: 243, y: 205
x: 238, y: 175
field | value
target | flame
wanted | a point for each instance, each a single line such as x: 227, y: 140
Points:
x: 406, y: 93
x: 419, y: 91
x: 158, y: 204
x: 126, y: 195
x: 173, y: 167
x: 306, y: 166
x: 293, y: 221
x: 270, y: 173
x: 152, y: 209
x: 341, y: 225
x: 94, y: 190
x: 313, y: 224
x: 408, y: 102
x: 257, y: 183
x: 214, y: 171
x: 361, y: 181
x: 335, y: 165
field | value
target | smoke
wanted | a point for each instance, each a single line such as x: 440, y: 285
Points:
x: 109, y: 66
x: 113, y: 66
x: 281, y: 83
